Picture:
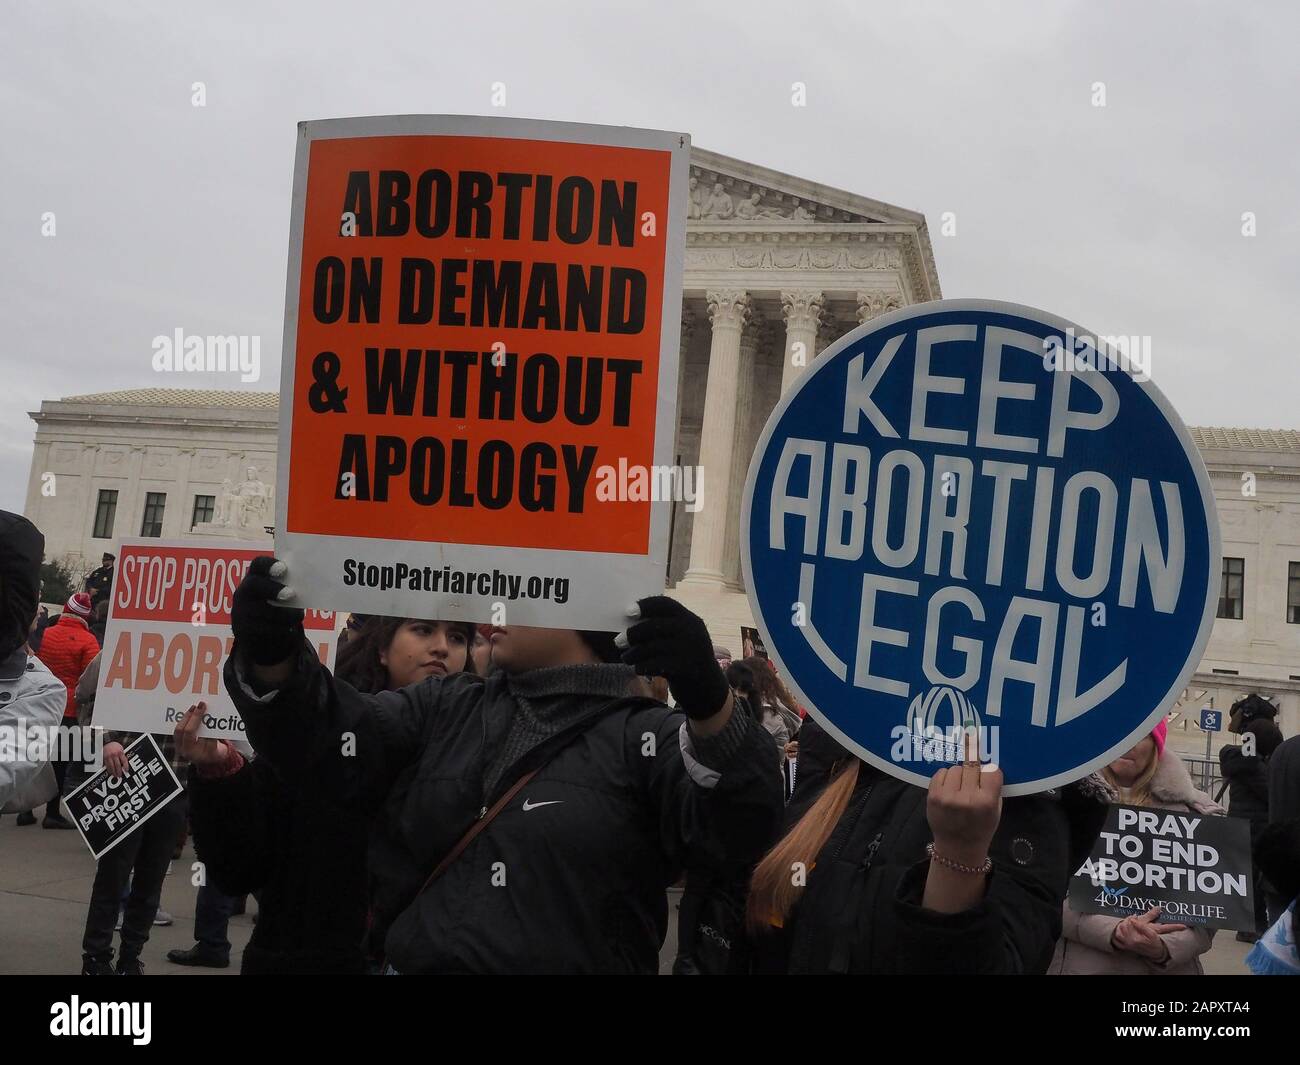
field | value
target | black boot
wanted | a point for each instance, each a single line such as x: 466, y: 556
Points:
x: 27, y: 818
x: 96, y: 966
x: 56, y: 820
x: 129, y: 965
x: 199, y: 955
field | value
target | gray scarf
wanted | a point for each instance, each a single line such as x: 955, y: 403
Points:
x: 548, y: 701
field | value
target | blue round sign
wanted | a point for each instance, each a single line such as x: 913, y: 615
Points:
x: 974, y: 522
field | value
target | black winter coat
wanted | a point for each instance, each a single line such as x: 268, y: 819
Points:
x: 861, y: 910
x: 571, y: 876
x: 305, y: 858
x: 1247, y: 779
x: 1284, y: 782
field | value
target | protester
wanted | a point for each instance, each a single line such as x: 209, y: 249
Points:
x: 37, y: 632
x: 1283, y: 807
x: 1246, y: 775
x: 1148, y: 775
x: 99, y: 621
x: 257, y: 833
x: 99, y: 583
x: 722, y: 656
x: 743, y: 682
x: 1248, y: 709
x: 141, y: 860
x: 1277, y: 853
x: 621, y: 792
x: 351, y: 627
x: 819, y: 754
x: 30, y: 695
x: 67, y: 650
x: 876, y: 875
x: 481, y: 650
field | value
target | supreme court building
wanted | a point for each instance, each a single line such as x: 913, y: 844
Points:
x: 776, y: 268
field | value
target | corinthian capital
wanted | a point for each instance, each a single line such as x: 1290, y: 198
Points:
x: 802, y: 310
x: 728, y: 309
x: 752, y: 335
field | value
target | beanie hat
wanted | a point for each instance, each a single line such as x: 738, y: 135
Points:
x: 21, y: 548
x: 79, y: 604
x: 1160, y: 734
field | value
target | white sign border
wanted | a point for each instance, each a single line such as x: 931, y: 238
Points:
x: 650, y: 567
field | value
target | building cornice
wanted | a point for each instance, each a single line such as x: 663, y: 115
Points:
x: 198, y: 420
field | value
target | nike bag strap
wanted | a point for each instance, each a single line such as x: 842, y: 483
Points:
x: 477, y: 827
x: 486, y: 819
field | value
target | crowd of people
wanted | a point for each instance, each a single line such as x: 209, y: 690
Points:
x: 456, y: 798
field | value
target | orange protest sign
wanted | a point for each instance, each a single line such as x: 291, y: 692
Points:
x: 483, y: 316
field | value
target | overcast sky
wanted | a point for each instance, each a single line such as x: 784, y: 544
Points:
x: 1126, y: 218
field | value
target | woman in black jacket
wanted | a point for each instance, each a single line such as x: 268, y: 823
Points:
x: 303, y: 855
x: 1245, y: 769
x: 876, y: 875
x: 590, y: 797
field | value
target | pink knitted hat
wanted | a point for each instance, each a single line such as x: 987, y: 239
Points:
x: 1160, y: 734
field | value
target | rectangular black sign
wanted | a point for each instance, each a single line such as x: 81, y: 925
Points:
x: 107, y: 809
x: 1196, y: 868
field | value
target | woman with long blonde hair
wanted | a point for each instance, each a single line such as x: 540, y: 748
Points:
x: 876, y: 875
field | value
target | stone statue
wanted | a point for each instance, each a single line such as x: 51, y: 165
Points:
x: 748, y: 208
x: 221, y: 515
x: 694, y: 205
x: 251, y: 497
x: 245, y: 505
x: 719, y: 204
x: 804, y: 214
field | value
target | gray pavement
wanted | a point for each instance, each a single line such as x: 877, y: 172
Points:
x: 45, y: 879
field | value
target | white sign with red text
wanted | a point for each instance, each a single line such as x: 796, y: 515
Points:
x: 168, y: 635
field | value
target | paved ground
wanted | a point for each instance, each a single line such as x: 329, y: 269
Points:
x: 45, y: 879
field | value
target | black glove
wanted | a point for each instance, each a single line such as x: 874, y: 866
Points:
x: 267, y: 632
x: 671, y: 642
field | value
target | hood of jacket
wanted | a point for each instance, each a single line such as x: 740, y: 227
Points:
x: 1173, y: 784
x: 21, y: 549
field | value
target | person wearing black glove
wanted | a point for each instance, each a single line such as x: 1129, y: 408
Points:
x: 671, y: 642
x: 589, y: 797
x: 268, y: 630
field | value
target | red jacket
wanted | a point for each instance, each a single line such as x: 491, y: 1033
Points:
x: 67, y: 650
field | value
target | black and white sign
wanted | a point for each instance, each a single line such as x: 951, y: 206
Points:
x: 107, y: 809
x: 1196, y: 868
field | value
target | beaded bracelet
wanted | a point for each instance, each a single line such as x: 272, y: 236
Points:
x: 982, y: 870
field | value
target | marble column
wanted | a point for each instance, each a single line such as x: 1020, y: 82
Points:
x: 728, y: 312
x: 743, y: 448
x: 683, y: 349
x: 802, y: 311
